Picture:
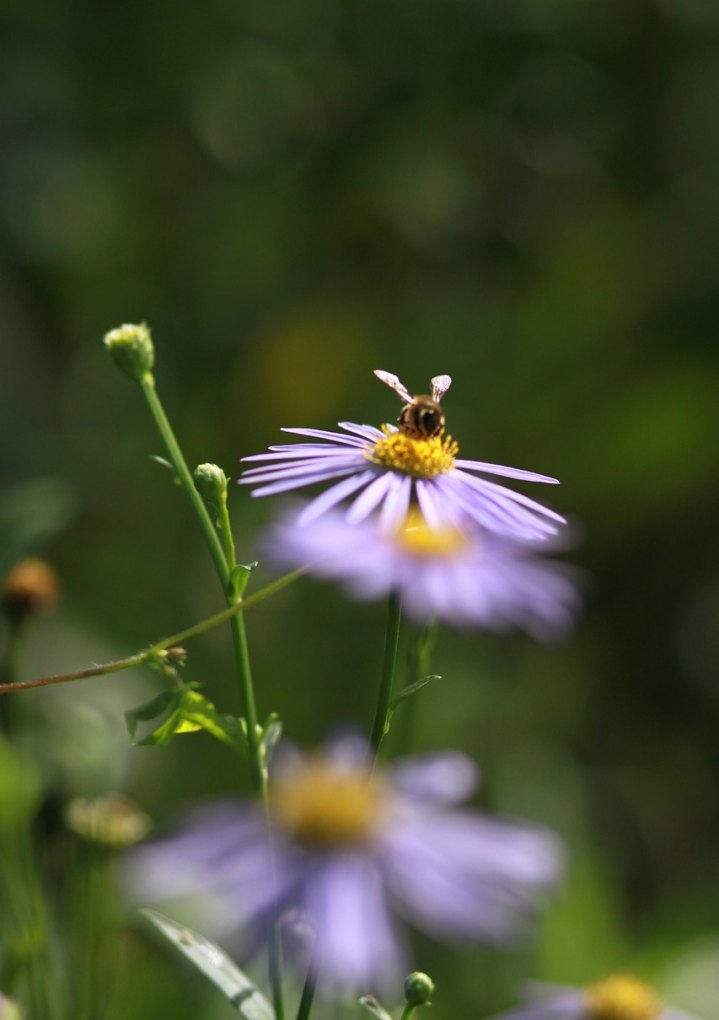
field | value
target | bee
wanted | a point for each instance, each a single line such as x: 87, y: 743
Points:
x: 421, y: 417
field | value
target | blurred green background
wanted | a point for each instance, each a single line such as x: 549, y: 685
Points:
x: 292, y: 193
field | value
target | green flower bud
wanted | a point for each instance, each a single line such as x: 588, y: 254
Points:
x: 211, y: 483
x: 132, y: 349
x: 418, y: 989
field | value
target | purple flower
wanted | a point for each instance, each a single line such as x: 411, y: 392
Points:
x: 620, y: 997
x: 389, y: 470
x: 458, y: 573
x: 353, y: 845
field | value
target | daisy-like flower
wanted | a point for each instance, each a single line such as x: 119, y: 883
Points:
x: 389, y: 469
x: 458, y: 573
x: 620, y: 997
x: 352, y: 845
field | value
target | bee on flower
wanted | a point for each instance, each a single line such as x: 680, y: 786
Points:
x: 389, y: 470
x: 354, y: 845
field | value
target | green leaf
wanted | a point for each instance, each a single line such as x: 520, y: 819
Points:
x: 411, y: 689
x: 198, y: 713
x: 185, y: 711
x: 167, y: 701
x: 372, y: 1006
x: 239, y: 576
x: 271, y: 733
x: 211, y: 961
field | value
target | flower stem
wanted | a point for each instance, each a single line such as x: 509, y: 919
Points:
x: 308, y: 992
x: 139, y: 658
x: 391, y: 641
x: 147, y: 384
x: 223, y: 554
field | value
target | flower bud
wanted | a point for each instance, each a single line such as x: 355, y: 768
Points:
x: 31, y: 588
x: 418, y: 989
x: 211, y: 483
x: 112, y: 821
x: 132, y: 349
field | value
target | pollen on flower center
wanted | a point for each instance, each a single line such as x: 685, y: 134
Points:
x: 419, y: 539
x: 622, y: 998
x: 421, y: 458
x: 323, y: 806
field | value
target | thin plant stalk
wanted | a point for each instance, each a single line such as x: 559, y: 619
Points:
x: 223, y: 559
x: 147, y: 654
x: 384, y: 696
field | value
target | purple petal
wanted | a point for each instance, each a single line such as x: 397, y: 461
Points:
x: 332, y: 496
x: 428, y: 504
x: 355, y: 940
x: 506, y: 472
x: 396, y: 502
x: 436, y: 779
x: 335, y: 437
x: 297, y: 483
x: 369, y: 499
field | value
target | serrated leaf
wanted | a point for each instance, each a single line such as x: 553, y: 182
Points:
x: 372, y: 1006
x: 411, y: 689
x: 214, y: 963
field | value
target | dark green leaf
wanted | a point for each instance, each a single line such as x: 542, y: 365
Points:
x: 167, y: 701
x: 211, y: 961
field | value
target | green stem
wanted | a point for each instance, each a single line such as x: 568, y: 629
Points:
x: 147, y: 384
x: 308, y: 993
x: 381, y: 719
x: 258, y: 768
x: 139, y: 658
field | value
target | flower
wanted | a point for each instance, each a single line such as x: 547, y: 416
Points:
x: 391, y: 468
x: 619, y: 997
x: 460, y: 573
x: 350, y: 843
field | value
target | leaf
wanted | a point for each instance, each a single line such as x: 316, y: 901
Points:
x: 239, y: 576
x: 153, y: 709
x: 189, y: 711
x: 411, y: 689
x: 211, y: 961
x: 271, y: 734
x: 162, y: 462
x: 372, y: 1006
x: 198, y: 713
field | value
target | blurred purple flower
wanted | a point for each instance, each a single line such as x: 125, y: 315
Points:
x: 388, y: 471
x: 460, y: 573
x: 620, y: 997
x: 352, y: 843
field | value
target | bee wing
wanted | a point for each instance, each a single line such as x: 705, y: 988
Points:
x: 393, y: 382
x: 440, y: 385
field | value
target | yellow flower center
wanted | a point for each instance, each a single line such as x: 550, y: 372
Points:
x: 421, y: 458
x: 323, y: 806
x: 419, y: 539
x: 622, y: 998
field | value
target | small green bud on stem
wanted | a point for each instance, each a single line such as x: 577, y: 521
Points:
x: 418, y: 989
x: 132, y: 349
x: 211, y: 483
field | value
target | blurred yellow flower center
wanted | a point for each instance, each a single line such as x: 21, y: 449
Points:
x: 622, y: 998
x: 418, y: 538
x: 421, y: 458
x: 324, y: 806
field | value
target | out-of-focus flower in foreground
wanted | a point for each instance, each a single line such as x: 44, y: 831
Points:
x: 390, y: 469
x: 459, y: 573
x: 620, y: 997
x: 352, y: 844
